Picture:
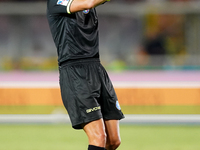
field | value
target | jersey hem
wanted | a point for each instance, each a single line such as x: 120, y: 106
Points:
x: 78, y: 125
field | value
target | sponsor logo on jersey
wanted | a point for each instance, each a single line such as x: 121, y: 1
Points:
x: 62, y: 2
x: 118, y: 106
x: 86, y: 11
x: 93, y: 109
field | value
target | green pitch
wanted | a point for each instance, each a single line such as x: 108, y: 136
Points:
x: 63, y: 137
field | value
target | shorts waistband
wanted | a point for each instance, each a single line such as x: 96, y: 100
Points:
x: 71, y: 62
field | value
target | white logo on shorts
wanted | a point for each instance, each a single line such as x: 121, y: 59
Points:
x: 93, y: 109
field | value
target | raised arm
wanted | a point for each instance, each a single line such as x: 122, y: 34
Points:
x: 71, y: 6
x: 78, y: 5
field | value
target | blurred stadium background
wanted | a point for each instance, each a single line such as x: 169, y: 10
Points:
x: 151, y: 49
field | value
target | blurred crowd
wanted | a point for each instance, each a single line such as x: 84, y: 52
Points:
x: 133, y: 41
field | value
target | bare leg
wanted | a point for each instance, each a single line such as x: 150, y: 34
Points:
x: 95, y: 131
x: 113, y: 135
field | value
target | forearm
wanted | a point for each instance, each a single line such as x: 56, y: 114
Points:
x: 78, y: 5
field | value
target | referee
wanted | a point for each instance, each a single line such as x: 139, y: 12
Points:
x: 87, y: 92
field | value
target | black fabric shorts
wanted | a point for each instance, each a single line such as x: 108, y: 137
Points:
x: 87, y: 92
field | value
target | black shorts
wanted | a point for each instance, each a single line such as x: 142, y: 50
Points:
x: 87, y: 92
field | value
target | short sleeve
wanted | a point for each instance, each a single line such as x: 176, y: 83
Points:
x: 59, y: 6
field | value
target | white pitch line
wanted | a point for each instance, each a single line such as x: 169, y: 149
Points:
x: 162, y: 119
x: 43, y: 118
x: 132, y: 119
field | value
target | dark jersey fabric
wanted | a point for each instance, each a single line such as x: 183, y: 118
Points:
x: 75, y: 35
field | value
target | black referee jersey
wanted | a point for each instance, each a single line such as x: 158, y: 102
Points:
x: 75, y: 35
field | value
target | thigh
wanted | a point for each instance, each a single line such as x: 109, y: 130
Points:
x: 112, y: 130
x: 95, y: 131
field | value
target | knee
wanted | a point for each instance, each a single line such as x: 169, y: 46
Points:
x: 113, y: 144
x: 116, y: 144
x: 99, y: 139
x: 102, y: 137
